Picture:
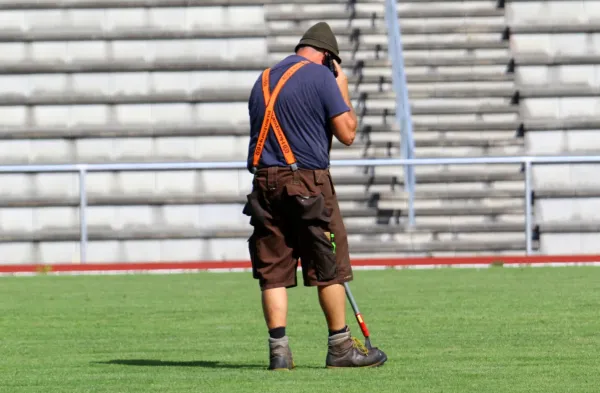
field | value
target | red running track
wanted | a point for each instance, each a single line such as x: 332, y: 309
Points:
x: 482, y: 261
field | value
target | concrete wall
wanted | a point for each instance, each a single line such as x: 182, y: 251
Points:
x: 122, y: 148
x: 561, y: 141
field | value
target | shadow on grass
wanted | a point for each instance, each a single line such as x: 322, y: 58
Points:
x: 196, y: 363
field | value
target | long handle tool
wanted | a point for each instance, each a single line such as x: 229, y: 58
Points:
x: 358, y: 315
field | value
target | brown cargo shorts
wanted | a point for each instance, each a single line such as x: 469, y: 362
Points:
x: 296, y: 217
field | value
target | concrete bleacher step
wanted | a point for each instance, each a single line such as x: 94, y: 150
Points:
x: 207, y: 217
x: 569, y: 227
x: 427, y: 45
x: 432, y: 77
x: 418, y: 58
x: 26, y: 67
x: 146, y: 34
x: 342, y: 31
x: 561, y: 107
x: 474, y: 60
x: 533, y: 12
x: 19, y: 64
x: 419, y: 12
x: 149, y: 199
x: 81, y: 64
x: 56, y: 149
x: 419, y: 27
x: 190, y: 181
x: 128, y: 16
x: 562, y: 75
x: 181, y: 199
x: 194, y: 250
x: 111, y: 130
x: 551, y: 28
x: 435, y: 140
x: 557, y: 91
x: 465, y: 91
x: 473, y: 131
x: 447, y: 126
x: 438, y: 246
x: 569, y: 123
x: 66, y: 98
x: 119, y: 4
x: 444, y: 211
x: 57, y: 64
x: 66, y: 153
x: 109, y: 85
x: 543, y: 59
x: 137, y: 33
x: 456, y: 108
x: 161, y: 198
x: 453, y: 171
x: 465, y: 59
x: 428, y: 152
x: 164, y: 247
x: 563, y: 142
x: 134, y: 231
x: 179, y: 232
x: 428, y: 178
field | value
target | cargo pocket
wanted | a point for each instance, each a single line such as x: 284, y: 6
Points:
x: 258, y: 215
x: 325, y: 266
x: 314, y: 217
x: 253, y: 256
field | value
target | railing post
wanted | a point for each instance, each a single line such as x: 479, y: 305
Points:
x: 528, y: 208
x: 403, y: 110
x: 83, y: 214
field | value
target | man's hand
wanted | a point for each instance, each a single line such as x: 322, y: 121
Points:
x: 342, y: 79
x: 344, y: 125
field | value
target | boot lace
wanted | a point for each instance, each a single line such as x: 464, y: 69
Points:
x: 359, y: 346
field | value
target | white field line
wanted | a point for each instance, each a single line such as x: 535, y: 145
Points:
x: 247, y: 270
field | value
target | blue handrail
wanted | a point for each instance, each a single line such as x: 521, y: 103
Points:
x: 84, y: 169
x: 403, y: 111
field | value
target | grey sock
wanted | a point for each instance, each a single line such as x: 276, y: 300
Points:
x: 339, y: 338
x: 279, y: 346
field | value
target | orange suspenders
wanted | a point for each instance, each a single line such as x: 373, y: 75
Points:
x: 271, y: 120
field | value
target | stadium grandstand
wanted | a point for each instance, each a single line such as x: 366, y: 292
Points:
x: 147, y: 81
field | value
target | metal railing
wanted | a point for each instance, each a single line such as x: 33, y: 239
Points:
x: 84, y: 169
x: 403, y: 110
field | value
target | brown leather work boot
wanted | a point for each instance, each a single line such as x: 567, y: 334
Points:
x: 280, y: 354
x: 346, y: 351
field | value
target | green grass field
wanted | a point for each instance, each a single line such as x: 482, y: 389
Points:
x: 450, y: 330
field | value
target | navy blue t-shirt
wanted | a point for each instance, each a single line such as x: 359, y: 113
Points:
x: 309, y: 99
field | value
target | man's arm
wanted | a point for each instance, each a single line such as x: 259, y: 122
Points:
x: 344, y: 125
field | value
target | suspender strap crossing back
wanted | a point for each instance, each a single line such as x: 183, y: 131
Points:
x: 271, y: 120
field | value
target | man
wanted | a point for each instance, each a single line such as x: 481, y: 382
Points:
x: 295, y: 108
